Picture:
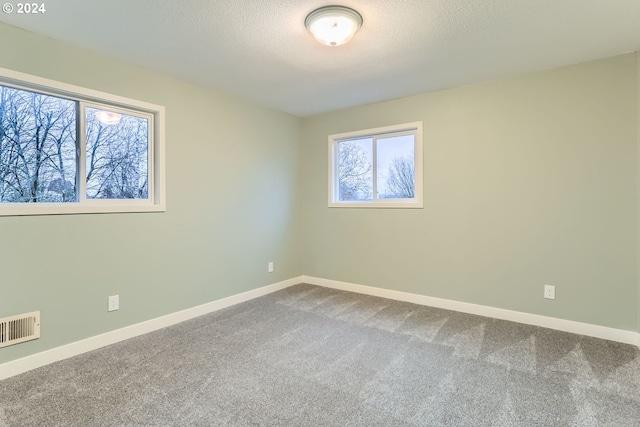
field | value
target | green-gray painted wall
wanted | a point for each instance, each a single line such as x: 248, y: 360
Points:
x: 231, y: 170
x: 528, y: 181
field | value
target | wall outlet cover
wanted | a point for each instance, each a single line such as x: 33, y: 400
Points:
x: 549, y: 292
x: 114, y: 303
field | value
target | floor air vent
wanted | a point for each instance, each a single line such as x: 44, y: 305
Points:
x: 17, y: 329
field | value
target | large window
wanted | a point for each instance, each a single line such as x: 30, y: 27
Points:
x: 65, y: 149
x: 377, y: 167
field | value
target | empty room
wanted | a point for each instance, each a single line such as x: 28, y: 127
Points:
x: 308, y: 213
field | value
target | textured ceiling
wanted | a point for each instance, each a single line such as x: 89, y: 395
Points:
x: 261, y: 51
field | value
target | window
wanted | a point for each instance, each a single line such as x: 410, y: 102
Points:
x: 377, y: 168
x: 66, y: 149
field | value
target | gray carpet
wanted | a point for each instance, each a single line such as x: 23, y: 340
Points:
x: 310, y: 356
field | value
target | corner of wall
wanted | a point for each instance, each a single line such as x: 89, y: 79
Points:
x: 638, y: 189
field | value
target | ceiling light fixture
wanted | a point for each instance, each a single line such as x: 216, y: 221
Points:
x: 333, y: 25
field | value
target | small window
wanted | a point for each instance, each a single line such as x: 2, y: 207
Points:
x: 65, y: 149
x: 379, y: 168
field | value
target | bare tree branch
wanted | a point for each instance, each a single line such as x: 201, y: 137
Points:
x: 401, y: 180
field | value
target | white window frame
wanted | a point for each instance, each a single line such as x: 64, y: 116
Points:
x: 414, y: 128
x: 93, y: 98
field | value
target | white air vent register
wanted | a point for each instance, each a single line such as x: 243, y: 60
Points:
x: 21, y: 328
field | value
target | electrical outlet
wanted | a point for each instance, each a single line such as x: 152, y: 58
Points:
x: 270, y: 267
x: 114, y: 303
x: 549, y: 292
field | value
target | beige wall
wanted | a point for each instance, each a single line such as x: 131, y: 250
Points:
x: 528, y: 181
x: 231, y: 208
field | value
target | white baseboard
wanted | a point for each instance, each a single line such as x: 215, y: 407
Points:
x: 618, y: 335
x: 37, y: 360
x: 34, y: 361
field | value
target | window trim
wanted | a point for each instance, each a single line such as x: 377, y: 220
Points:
x: 414, y: 128
x: 89, y: 97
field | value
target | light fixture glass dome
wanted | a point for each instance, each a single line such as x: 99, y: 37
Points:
x: 333, y: 25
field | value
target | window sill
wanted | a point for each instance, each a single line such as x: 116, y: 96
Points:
x: 374, y: 205
x: 10, y: 209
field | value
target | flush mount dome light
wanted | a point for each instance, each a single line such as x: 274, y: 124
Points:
x: 333, y: 25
